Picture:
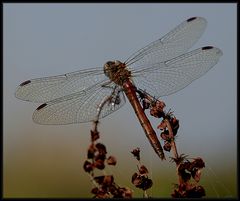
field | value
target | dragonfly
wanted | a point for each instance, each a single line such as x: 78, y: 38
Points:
x: 161, y: 68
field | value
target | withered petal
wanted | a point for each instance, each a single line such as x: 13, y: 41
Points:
x: 137, y: 179
x: 101, y: 148
x: 91, y: 151
x: 99, y: 164
x: 143, y: 170
x: 196, y: 175
x: 94, y: 190
x: 185, y: 176
x: 134, y: 176
x: 125, y: 192
x: 136, y: 153
x: 162, y: 125
x: 111, y: 160
x: 108, y: 180
x: 147, y: 184
x: 100, y: 156
x: 87, y: 166
x: 196, y: 192
x: 156, y: 113
x: 94, y: 135
x: 167, y: 146
x: 99, y: 179
x: 198, y: 163
x: 165, y: 135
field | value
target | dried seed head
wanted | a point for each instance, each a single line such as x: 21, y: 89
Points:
x: 147, y: 184
x: 156, y: 112
x: 100, y: 192
x: 141, y: 181
x: 111, y: 160
x: 160, y: 105
x: 108, y: 180
x: 136, y: 179
x: 182, y: 171
x: 162, y: 125
x: 195, y: 192
x: 100, y: 156
x: 196, y: 175
x: 91, y: 151
x: 143, y: 170
x: 175, y: 125
x: 88, y: 167
x: 145, y: 104
x: 94, y: 190
x: 198, y: 163
x: 99, y: 179
x: 94, y: 135
x: 167, y: 146
x: 101, y: 148
x: 136, y: 153
x: 99, y: 164
x: 165, y: 135
x: 125, y: 192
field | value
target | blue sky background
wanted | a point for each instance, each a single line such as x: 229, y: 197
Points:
x: 51, y: 39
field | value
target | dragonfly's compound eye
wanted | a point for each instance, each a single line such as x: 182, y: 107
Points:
x: 109, y: 63
x: 117, y: 63
x: 107, y: 68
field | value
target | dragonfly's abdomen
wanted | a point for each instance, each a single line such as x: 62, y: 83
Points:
x: 130, y: 92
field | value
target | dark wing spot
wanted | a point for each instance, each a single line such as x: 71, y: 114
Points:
x: 42, y: 106
x: 191, y: 19
x: 25, y: 83
x: 207, y: 47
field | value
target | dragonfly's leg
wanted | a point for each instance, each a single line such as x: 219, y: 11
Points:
x: 115, y: 97
x: 111, y: 99
x: 106, y: 85
x: 145, y: 98
x: 101, y: 105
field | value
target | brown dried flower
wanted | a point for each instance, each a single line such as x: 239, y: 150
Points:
x: 99, y: 164
x: 111, y: 160
x: 136, y: 153
x: 141, y: 181
x: 167, y: 146
x: 101, y: 148
x: 94, y: 135
x: 88, y: 167
x: 91, y: 151
x: 143, y: 170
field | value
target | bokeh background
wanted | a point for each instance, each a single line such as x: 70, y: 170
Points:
x: 50, y: 39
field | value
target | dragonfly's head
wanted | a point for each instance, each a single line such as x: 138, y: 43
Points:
x: 116, y: 71
x: 111, y: 67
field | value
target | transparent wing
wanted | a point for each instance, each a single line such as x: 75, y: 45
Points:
x: 78, y: 107
x: 48, y: 88
x: 165, y: 78
x: 173, y: 44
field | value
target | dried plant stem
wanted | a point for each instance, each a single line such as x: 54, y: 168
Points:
x: 173, y: 144
x: 93, y: 181
x: 145, y: 194
x: 173, y: 147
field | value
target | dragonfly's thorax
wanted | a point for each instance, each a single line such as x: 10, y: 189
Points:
x: 117, y: 72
